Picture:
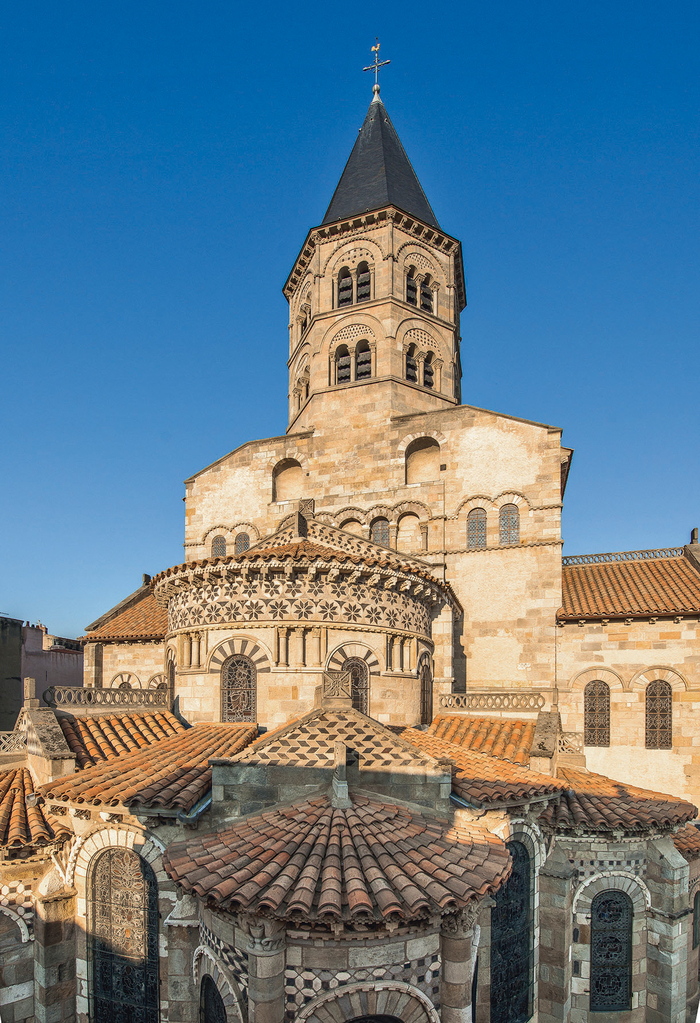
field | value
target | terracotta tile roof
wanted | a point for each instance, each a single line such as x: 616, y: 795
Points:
x: 310, y: 741
x: 102, y: 738
x: 143, y: 619
x: 687, y: 842
x: 658, y: 586
x: 504, y: 738
x: 171, y: 774
x: 23, y: 825
x: 481, y: 779
x: 594, y: 803
x: 372, y: 861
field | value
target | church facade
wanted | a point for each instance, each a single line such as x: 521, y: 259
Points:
x: 373, y: 750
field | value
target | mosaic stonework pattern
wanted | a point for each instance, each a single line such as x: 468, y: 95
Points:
x: 301, y: 986
x: 17, y: 896
x: 278, y: 599
x: 234, y: 959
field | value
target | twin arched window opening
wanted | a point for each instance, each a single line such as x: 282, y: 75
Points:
x: 508, y: 526
x: 218, y: 545
x: 658, y: 714
x: 414, y: 366
x: 361, y: 361
x: 419, y: 291
x: 357, y: 289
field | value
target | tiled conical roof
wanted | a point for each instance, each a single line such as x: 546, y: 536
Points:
x: 378, y: 174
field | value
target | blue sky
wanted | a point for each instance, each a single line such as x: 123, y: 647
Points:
x: 161, y: 166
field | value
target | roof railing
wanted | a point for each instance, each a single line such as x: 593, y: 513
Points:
x: 597, y: 559
x: 13, y: 742
x: 72, y: 696
x: 525, y: 700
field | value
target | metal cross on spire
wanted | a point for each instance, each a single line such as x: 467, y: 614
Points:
x: 376, y: 66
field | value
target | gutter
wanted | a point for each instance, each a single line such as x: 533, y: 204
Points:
x: 197, y: 810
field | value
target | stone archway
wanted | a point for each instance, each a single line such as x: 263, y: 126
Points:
x: 381, y: 1000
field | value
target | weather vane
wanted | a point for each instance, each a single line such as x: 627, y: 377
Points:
x: 376, y: 65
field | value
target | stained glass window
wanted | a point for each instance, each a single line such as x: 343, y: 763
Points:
x: 238, y: 689
x: 123, y: 939
x: 596, y: 714
x: 359, y: 676
x: 218, y: 547
x: 611, y: 952
x: 658, y: 715
x: 476, y: 528
x: 509, y: 522
x: 379, y: 532
x: 242, y: 543
x: 512, y: 943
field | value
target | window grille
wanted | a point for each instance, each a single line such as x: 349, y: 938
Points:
x: 123, y: 939
x: 476, y: 528
x: 509, y: 522
x: 379, y: 532
x: 344, y: 288
x: 242, y: 543
x: 411, y: 290
x: 359, y: 683
x: 512, y: 943
x: 426, y: 297
x: 426, y: 693
x: 596, y: 714
x: 428, y: 372
x: 659, y: 725
x: 218, y: 547
x: 611, y: 952
x: 363, y: 283
x: 211, y: 1004
x: 343, y: 365
x: 363, y: 361
x: 411, y: 366
x: 696, y: 922
x: 238, y: 689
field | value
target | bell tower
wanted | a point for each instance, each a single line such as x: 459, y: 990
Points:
x: 375, y: 294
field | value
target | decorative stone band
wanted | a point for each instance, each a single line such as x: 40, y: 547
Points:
x: 70, y: 696
x: 13, y: 742
x: 596, y: 559
x: 524, y: 699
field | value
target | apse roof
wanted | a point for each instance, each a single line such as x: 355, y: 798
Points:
x: 378, y: 173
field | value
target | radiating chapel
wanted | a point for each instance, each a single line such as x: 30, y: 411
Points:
x: 374, y: 751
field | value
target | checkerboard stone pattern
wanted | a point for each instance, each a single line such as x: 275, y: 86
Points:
x: 303, y: 985
x: 17, y: 896
x: 234, y: 959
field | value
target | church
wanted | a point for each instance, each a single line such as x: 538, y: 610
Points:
x: 374, y: 752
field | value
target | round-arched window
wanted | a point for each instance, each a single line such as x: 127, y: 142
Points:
x: 211, y: 1004
x: 359, y: 680
x: 242, y: 543
x: 379, y: 532
x: 218, y: 547
x: 238, y: 689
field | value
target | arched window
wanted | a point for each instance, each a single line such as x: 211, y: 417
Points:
x: 211, y: 1004
x: 363, y: 361
x: 509, y: 524
x: 411, y: 365
x: 218, y: 547
x: 596, y: 714
x: 426, y: 295
x: 611, y: 952
x: 379, y: 532
x: 238, y: 689
x: 242, y: 543
x: 422, y: 460
x: 408, y: 537
x: 122, y: 938
x: 359, y: 677
x: 286, y: 480
x: 342, y: 365
x: 512, y: 942
x: 344, y: 287
x: 411, y: 287
x: 426, y: 692
x: 476, y: 528
x: 428, y: 371
x: 659, y: 727
x: 364, y: 283
x: 171, y: 679
x: 696, y: 920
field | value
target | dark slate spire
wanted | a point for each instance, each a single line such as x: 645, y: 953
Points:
x: 378, y: 173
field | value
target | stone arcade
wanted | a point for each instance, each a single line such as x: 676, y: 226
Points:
x: 341, y: 763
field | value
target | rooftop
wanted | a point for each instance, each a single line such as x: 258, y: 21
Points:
x: 142, y: 618
x: 23, y: 823
x: 103, y: 738
x: 503, y: 738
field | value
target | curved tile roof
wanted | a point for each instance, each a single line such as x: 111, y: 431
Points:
x: 22, y: 823
x: 370, y: 862
x: 687, y: 842
x: 103, y: 738
x: 504, y: 738
x: 142, y: 619
x: 481, y: 779
x: 592, y: 803
x: 609, y: 589
x: 173, y: 773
